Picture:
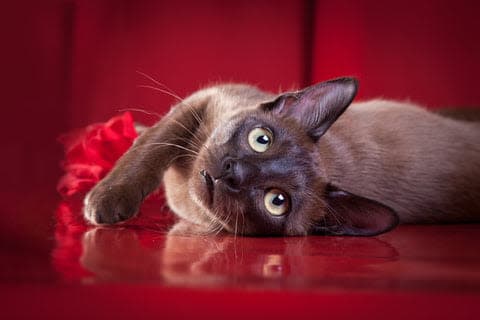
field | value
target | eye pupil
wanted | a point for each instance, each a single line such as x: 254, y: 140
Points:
x: 263, y: 139
x: 278, y: 200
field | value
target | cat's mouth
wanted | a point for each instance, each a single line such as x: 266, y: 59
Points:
x: 209, y: 184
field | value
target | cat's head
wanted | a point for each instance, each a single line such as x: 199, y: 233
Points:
x: 261, y: 173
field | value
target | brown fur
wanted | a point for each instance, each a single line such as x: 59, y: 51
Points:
x: 424, y: 166
x: 379, y: 162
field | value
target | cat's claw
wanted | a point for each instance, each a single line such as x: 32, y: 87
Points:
x: 109, y: 205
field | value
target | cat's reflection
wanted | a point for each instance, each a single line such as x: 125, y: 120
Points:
x: 114, y: 254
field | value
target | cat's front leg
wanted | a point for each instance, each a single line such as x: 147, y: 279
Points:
x: 119, y: 195
x: 140, y: 170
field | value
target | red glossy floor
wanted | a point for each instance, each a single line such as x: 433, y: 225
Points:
x: 78, y: 271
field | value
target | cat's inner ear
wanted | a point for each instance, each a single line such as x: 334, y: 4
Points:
x: 351, y: 215
x: 316, y: 107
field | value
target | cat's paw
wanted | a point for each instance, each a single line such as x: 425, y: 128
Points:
x: 110, y: 204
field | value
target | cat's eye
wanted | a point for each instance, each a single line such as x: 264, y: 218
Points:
x: 260, y: 139
x: 276, y: 202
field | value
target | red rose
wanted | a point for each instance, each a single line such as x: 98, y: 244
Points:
x: 91, y: 152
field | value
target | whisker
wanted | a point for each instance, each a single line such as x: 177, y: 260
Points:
x: 221, y: 226
x: 195, y: 114
x: 334, y: 214
x: 150, y: 113
x: 181, y: 156
x: 193, y: 135
x: 190, y: 143
x: 170, y: 92
x: 215, y: 225
x: 166, y: 144
x: 158, y: 83
x: 173, y: 95
x: 236, y: 225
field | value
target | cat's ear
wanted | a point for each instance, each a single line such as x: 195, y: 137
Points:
x: 316, y: 107
x: 351, y: 215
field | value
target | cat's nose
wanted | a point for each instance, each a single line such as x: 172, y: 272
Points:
x: 236, y: 173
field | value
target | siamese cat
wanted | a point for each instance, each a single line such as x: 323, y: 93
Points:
x: 237, y: 159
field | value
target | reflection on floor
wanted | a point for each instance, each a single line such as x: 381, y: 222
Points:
x: 410, y: 258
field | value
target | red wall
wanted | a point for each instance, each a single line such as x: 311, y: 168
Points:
x: 35, y: 80
x: 182, y: 44
x: 425, y: 50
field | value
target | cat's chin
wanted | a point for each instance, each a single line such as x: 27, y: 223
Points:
x: 207, y: 194
x: 188, y: 228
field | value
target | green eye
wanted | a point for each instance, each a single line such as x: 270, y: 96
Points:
x: 276, y: 202
x: 260, y: 139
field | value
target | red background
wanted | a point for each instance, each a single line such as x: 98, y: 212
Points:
x: 67, y: 63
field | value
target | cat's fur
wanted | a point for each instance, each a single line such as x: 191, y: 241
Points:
x: 357, y: 172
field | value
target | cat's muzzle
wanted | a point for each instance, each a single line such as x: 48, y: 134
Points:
x: 209, y: 183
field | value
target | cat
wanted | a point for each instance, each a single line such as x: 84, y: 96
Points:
x: 236, y: 159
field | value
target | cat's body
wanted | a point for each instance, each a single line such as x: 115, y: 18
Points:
x: 235, y: 158
x: 425, y: 167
